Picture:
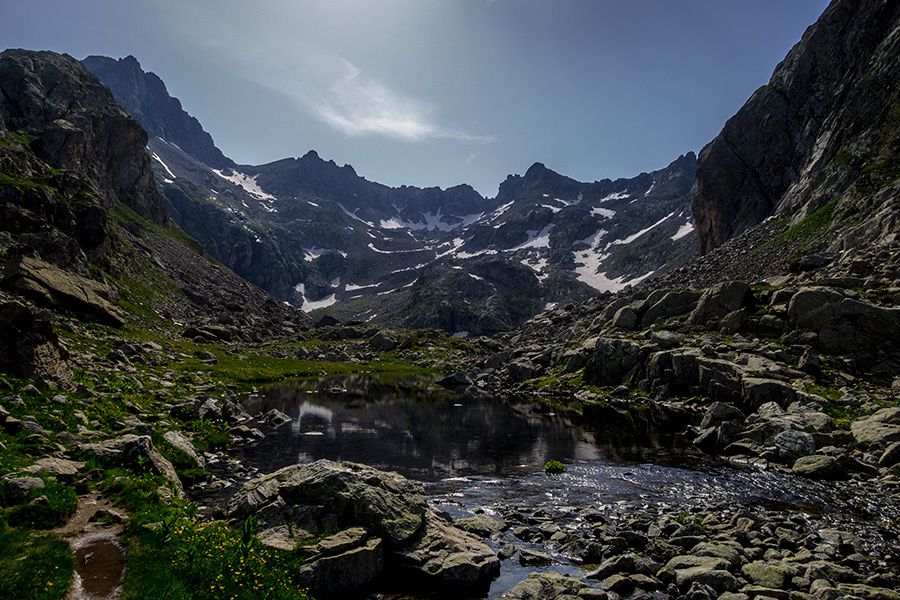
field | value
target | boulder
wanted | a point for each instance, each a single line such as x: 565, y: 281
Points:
x: 136, y: 450
x: 671, y: 304
x: 770, y: 574
x: 757, y: 391
x: 59, y: 467
x: 718, y: 301
x: 818, y: 466
x: 181, y: 442
x: 890, y: 456
x: 441, y: 556
x: 382, y: 342
x: 878, y: 430
x: 29, y: 346
x: 719, y: 412
x: 342, y: 564
x: 613, y: 361
x: 348, y: 494
x: 49, y: 285
x: 547, y: 586
x: 791, y: 445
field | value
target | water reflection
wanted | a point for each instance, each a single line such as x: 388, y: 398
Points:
x: 411, y: 426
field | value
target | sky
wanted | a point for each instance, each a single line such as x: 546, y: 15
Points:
x: 441, y: 92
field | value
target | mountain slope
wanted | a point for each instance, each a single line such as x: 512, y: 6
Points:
x: 84, y: 229
x: 826, y: 128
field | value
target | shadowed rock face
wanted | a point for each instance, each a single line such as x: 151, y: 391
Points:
x: 825, y: 122
x: 76, y: 124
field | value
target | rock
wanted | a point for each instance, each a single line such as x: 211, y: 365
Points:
x: 343, y: 564
x: 353, y: 494
x: 181, y: 442
x: 612, y: 361
x: 792, y: 444
x: 382, y: 342
x: 480, y: 525
x: 441, y: 556
x: 890, y: 456
x: 28, y: 345
x: 733, y: 321
x: 718, y: 301
x: 49, y: 285
x: 811, y: 262
x: 857, y: 590
x: 548, y: 586
x: 878, y: 430
x: 775, y: 575
x: 60, y: 467
x: 206, y: 356
x: 18, y: 488
x: 534, y: 558
x: 136, y: 450
x: 522, y: 369
x: 818, y: 466
x: 671, y: 304
x: 624, y: 563
x: 706, y: 570
x: 757, y: 391
x: 276, y: 418
x: 626, y: 318
x: 719, y: 412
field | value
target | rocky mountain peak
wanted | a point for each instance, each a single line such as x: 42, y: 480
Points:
x: 145, y: 96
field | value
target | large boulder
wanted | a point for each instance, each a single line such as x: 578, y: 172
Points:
x: 350, y: 494
x: 718, y: 301
x: 29, y: 346
x: 49, y: 285
x: 845, y: 325
x: 878, y: 430
x: 546, y: 586
x: 792, y: 444
x: 671, y: 304
x: 613, y: 361
x: 444, y: 557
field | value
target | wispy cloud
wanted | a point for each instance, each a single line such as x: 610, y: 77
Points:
x: 357, y: 105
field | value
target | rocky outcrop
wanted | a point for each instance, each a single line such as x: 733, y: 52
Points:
x: 76, y: 124
x: 823, y: 128
x: 420, y: 546
x: 51, y: 286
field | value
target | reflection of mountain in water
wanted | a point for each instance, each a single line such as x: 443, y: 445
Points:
x: 415, y: 428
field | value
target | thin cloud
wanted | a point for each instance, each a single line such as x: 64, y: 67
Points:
x: 357, y: 106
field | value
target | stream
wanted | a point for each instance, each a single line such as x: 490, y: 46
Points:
x: 481, y: 456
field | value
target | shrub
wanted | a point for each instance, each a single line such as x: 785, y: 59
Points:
x: 554, y: 467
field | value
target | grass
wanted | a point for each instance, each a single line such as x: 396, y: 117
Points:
x: 172, y: 554
x: 33, y: 566
x: 44, y: 508
x: 812, y: 227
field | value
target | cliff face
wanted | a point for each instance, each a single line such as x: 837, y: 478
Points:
x: 825, y: 129
x: 74, y: 123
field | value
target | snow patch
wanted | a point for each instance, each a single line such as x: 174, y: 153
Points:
x: 247, y: 183
x: 638, y: 234
x: 683, y: 231
x: 156, y: 157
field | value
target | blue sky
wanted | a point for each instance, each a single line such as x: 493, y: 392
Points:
x: 440, y: 92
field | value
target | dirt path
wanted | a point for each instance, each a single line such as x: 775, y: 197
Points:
x: 94, y: 533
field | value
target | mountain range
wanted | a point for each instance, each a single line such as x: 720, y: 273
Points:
x: 319, y: 236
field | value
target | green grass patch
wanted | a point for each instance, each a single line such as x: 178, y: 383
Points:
x: 33, y: 566
x: 554, y: 467
x: 812, y: 227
